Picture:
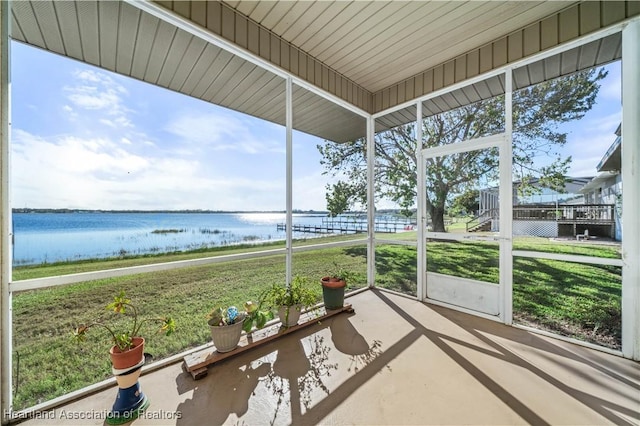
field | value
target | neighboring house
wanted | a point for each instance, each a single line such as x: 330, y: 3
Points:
x: 587, y: 204
x: 606, y: 187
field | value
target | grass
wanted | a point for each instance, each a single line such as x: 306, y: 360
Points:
x: 475, y: 260
x: 566, y: 247
x: 49, y: 364
x: 396, y: 268
x: 573, y: 299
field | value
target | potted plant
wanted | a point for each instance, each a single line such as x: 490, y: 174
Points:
x: 127, y: 344
x: 333, y: 288
x: 227, y: 324
x: 127, y: 356
x: 292, y: 299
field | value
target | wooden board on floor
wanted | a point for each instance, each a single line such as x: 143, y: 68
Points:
x: 197, y: 362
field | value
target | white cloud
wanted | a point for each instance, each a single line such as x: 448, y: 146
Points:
x: 74, y: 156
x: 223, y: 132
x: 97, y: 91
x: 91, y: 98
x: 309, y: 191
x: 91, y: 76
x: 69, y: 171
x: 97, y: 173
x: 605, y: 124
x: 123, y: 121
x: 99, y: 77
x: 71, y: 114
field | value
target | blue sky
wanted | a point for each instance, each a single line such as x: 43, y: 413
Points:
x: 87, y: 138
x: 589, y: 138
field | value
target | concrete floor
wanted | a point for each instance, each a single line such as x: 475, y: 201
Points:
x: 395, y: 361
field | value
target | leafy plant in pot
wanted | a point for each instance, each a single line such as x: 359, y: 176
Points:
x: 127, y: 344
x: 127, y: 356
x: 291, y: 300
x: 227, y: 324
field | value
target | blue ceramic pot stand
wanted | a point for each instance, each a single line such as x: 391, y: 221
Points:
x: 130, y: 402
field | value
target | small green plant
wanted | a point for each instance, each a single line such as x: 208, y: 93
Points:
x: 299, y: 292
x: 123, y: 337
x: 340, y: 274
x: 295, y: 297
x: 253, y: 315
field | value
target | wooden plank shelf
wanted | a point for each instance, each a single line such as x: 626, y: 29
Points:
x: 197, y: 363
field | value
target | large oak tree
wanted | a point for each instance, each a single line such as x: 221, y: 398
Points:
x: 537, y: 113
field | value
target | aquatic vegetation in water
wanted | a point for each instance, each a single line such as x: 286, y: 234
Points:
x: 108, y: 235
x: 168, y: 231
x: 211, y: 231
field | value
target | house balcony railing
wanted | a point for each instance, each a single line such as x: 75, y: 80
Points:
x: 562, y: 213
x: 567, y: 213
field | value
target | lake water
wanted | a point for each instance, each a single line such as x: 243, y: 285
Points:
x: 51, y: 237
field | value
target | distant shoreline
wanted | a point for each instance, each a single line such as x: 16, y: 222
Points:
x: 45, y: 210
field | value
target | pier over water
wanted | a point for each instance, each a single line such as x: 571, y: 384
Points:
x: 351, y: 226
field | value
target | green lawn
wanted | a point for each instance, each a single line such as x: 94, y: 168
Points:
x: 572, y: 299
x: 48, y: 363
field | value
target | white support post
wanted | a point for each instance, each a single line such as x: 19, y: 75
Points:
x: 371, y: 203
x: 421, y: 265
x: 506, y: 206
x: 631, y: 190
x: 289, y: 184
x: 5, y: 218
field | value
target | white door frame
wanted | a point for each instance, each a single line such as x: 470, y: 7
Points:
x: 503, y: 142
x: 473, y: 295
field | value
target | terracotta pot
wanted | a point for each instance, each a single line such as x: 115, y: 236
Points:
x: 333, y: 282
x: 126, y: 359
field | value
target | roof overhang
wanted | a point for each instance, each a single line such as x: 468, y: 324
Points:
x: 612, y: 159
x: 348, y: 59
x: 598, y: 181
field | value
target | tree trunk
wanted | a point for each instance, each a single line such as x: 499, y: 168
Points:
x: 437, y: 218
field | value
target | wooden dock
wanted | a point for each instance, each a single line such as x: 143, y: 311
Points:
x: 324, y: 229
x: 197, y: 363
x: 348, y: 227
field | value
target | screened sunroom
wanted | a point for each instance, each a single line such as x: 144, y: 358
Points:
x: 449, y: 326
